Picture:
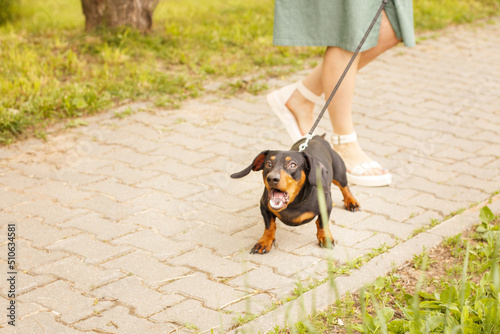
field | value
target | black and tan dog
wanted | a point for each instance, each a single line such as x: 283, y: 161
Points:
x: 291, y: 192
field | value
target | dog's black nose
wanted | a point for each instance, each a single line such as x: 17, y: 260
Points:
x: 273, y: 179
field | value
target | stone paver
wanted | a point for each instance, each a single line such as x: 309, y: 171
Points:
x: 150, y: 270
x: 83, y: 276
x: 103, y: 229
x: 42, y: 235
x: 52, y: 212
x: 161, y: 247
x: 133, y: 225
x: 161, y: 222
x: 29, y: 280
x: 38, y: 323
x: 213, y: 294
x: 204, y: 260
x: 208, y: 236
x: 263, y: 279
x: 255, y: 304
x: 93, y: 251
x: 108, y: 207
x: 71, y: 305
x: 192, y: 315
x: 143, y: 300
x: 120, y: 320
x: 34, y: 257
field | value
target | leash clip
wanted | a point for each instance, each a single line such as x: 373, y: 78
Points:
x: 304, y: 145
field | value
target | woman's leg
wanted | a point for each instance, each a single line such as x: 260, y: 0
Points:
x: 303, y: 108
x: 340, y: 109
x: 386, y: 39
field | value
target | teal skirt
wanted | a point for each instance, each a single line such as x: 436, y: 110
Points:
x: 340, y: 23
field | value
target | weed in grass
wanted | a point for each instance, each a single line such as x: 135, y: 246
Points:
x: 122, y: 114
x: 76, y: 123
x: 453, y: 242
x: 299, y: 289
x: 454, y: 213
x: 418, y: 231
x: 242, y: 319
x: 422, y: 261
x: 191, y: 326
x: 41, y: 134
x: 379, y: 250
x: 434, y: 222
x: 243, y: 85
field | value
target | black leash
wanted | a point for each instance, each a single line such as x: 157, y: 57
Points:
x: 309, y: 135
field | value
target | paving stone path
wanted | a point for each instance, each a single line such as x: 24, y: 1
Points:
x: 132, y: 224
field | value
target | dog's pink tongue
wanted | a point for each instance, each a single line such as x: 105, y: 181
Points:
x: 277, y: 200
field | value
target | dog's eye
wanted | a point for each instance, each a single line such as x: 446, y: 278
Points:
x: 269, y: 164
x: 292, y: 165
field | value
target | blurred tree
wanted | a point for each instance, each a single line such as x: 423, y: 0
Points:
x: 7, y: 11
x: 114, y: 13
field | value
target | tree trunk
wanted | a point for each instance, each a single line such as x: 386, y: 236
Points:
x: 114, y: 13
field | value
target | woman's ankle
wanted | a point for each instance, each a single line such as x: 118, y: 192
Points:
x: 302, y: 109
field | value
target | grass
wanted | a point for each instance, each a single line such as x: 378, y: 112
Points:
x: 51, y: 70
x: 433, y: 15
x: 453, y: 288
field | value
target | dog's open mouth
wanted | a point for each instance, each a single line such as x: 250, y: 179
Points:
x: 278, y: 199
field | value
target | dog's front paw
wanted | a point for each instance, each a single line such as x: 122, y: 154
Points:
x: 325, y: 237
x: 262, y: 247
x: 326, y: 242
x: 351, y: 204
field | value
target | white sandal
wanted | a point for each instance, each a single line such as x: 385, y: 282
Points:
x: 277, y: 101
x: 358, y: 174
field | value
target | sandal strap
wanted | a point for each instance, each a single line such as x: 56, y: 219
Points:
x: 344, y: 139
x: 308, y: 94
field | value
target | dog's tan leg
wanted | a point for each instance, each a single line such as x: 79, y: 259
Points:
x: 325, y: 239
x: 350, y: 202
x: 265, y: 243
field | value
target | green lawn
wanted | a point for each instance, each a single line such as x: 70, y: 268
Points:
x: 51, y: 70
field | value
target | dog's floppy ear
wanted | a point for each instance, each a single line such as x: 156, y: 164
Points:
x: 256, y: 165
x: 314, y: 166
